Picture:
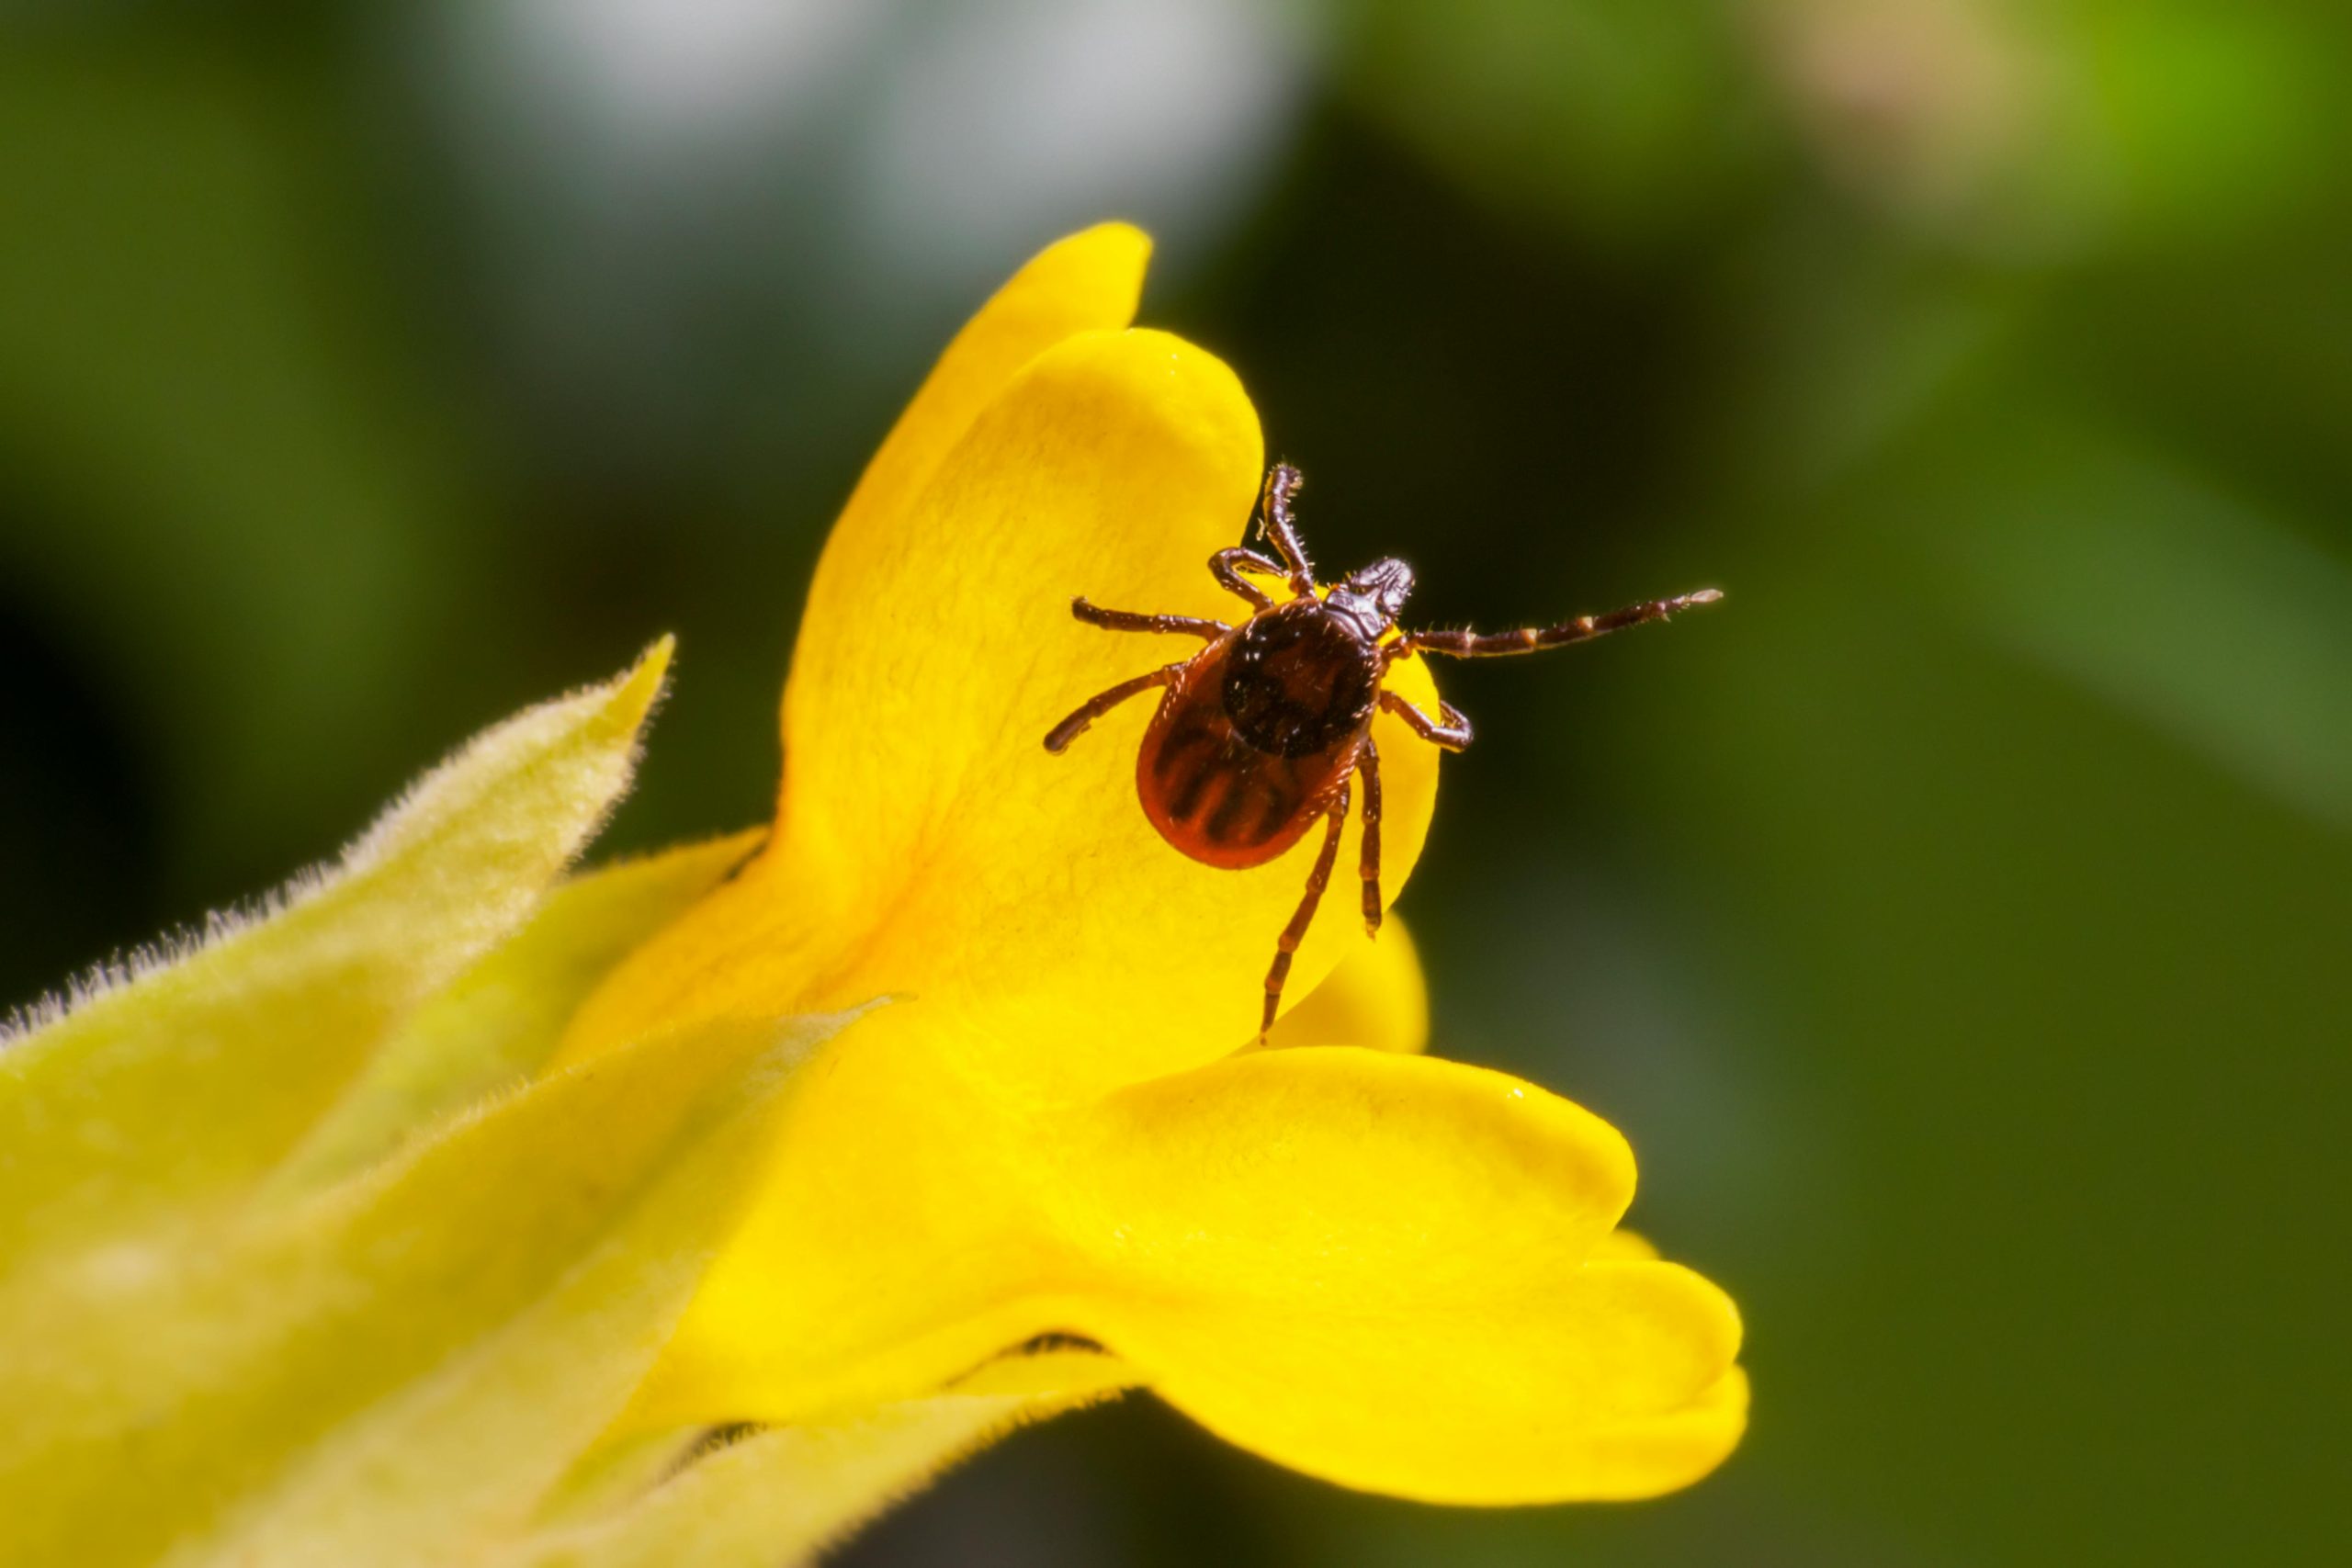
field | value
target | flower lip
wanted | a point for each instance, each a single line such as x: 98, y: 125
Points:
x: 1054, y: 1134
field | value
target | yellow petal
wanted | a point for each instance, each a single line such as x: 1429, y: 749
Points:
x: 175, y: 1089
x: 929, y: 847
x: 1336, y: 1180
x: 1603, y: 1383
x: 1089, y: 282
x: 1376, y: 1270
x: 1643, y: 1456
x: 1376, y: 997
x: 887, y: 1255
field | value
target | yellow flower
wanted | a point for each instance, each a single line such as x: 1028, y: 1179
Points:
x: 441, y: 1211
x: 1393, y: 1272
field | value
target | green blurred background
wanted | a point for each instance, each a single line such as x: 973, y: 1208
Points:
x: 1956, y: 921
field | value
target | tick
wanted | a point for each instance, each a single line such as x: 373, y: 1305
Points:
x: 1263, y: 733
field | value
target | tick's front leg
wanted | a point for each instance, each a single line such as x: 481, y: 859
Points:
x: 1368, y: 768
x: 1273, y: 515
x: 1225, y: 566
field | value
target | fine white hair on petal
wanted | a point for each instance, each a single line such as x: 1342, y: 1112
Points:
x: 119, y: 970
x: 440, y: 793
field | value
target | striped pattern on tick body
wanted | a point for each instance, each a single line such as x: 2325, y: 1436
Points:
x: 1235, y: 789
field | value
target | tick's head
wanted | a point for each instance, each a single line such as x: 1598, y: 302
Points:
x: 1375, y: 595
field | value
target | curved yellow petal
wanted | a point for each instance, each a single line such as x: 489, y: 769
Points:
x: 895, y: 1249
x: 929, y: 847
x: 1337, y: 1179
x: 1376, y: 997
x: 1643, y: 1456
x: 1338, y: 1220
x: 1608, y: 1382
x: 1376, y: 1270
x: 1380, y: 1269
x: 1087, y: 282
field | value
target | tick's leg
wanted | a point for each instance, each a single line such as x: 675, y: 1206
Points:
x: 1529, y: 639
x: 1070, y: 728
x: 1453, y: 734
x: 1273, y: 515
x: 1129, y: 621
x: 1368, y: 765
x: 1227, y: 564
x: 1317, y: 880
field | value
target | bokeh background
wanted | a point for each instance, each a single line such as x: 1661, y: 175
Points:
x: 1958, y: 920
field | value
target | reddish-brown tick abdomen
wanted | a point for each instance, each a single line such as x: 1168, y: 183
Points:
x: 1256, y: 736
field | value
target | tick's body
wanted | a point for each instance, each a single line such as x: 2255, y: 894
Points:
x: 1258, y: 733
x: 1261, y: 734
